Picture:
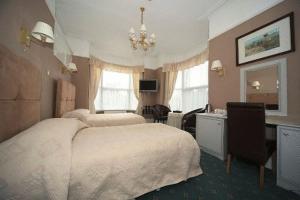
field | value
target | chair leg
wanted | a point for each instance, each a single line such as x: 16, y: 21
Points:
x: 228, y: 168
x: 261, y: 176
x: 274, y: 163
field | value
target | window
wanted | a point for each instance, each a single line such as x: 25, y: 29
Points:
x: 191, y: 89
x: 115, y: 92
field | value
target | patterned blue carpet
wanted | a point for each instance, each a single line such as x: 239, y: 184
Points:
x: 215, y: 184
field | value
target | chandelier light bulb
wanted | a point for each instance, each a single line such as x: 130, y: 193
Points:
x: 143, y: 28
x: 146, y: 41
x: 152, y: 36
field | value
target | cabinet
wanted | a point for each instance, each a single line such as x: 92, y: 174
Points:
x: 288, y: 158
x: 211, y: 134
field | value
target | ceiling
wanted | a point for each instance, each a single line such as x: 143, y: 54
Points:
x: 181, y: 26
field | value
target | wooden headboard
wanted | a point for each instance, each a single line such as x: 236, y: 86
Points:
x: 20, y: 93
x: 65, y: 97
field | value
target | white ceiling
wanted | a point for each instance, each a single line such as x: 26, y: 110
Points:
x: 235, y: 12
x: 181, y: 26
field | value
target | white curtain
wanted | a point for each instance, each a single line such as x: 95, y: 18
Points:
x: 136, y: 76
x: 186, y: 64
x: 95, y: 79
x: 191, y: 89
x: 171, y: 70
x: 135, y: 71
x: 170, y: 81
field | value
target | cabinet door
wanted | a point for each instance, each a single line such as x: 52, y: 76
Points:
x: 289, y: 155
x: 209, y: 134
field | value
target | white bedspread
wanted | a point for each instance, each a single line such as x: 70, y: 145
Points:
x: 36, y: 163
x: 124, y: 162
x: 50, y: 161
x: 115, y: 119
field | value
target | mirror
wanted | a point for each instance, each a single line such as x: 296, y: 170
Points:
x: 266, y: 83
x: 262, y: 86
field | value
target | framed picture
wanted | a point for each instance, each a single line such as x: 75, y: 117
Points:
x: 274, y: 38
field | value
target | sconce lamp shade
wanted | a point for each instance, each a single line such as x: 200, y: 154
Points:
x: 255, y: 84
x: 43, y: 32
x: 72, y: 67
x: 216, y: 65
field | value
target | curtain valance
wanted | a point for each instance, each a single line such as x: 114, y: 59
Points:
x: 191, y: 62
x: 95, y: 62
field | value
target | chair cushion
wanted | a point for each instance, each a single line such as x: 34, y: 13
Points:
x: 190, y: 129
x: 163, y: 118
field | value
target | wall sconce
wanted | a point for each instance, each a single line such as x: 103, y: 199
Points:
x: 71, y: 67
x: 41, y: 31
x: 217, y: 66
x: 256, y: 85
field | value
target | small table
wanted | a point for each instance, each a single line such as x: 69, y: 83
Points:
x: 174, y: 119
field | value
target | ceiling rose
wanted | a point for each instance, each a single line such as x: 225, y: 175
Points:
x: 141, y: 41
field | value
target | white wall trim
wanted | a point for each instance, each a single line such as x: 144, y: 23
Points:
x: 242, y: 20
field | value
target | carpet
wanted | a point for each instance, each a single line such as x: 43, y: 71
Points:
x: 215, y: 184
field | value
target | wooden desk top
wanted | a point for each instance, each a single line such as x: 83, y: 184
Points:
x: 284, y: 120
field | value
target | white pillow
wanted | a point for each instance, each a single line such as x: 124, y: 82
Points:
x: 78, y: 114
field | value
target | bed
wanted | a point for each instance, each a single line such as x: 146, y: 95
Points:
x: 65, y: 108
x: 101, y: 120
x: 63, y: 158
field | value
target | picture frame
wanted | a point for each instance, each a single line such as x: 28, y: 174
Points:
x: 272, y: 39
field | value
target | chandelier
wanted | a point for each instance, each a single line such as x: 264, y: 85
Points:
x: 141, y: 40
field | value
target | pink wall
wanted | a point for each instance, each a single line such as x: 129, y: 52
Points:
x: 17, y: 13
x: 227, y: 88
x: 81, y: 81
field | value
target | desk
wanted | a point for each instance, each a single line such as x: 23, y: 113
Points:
x: 211, y: 135
x: 291, y: 121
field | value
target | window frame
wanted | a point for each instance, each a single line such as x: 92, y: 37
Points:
x: 129, y: 90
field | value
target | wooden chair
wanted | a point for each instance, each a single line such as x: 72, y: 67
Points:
x: 246, y: 135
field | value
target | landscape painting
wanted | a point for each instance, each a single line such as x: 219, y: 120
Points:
x: 265, y: 42
x: 272, y: 39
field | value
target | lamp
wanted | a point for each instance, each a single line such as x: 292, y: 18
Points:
x: 217, y: 66
x: 71, y: 67
x: 41, y: 31
x: 141, y: 41
x: 256, y: 85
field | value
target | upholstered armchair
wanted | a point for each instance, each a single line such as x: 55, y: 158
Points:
x: 189, y: 120
x: 160, y: 113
